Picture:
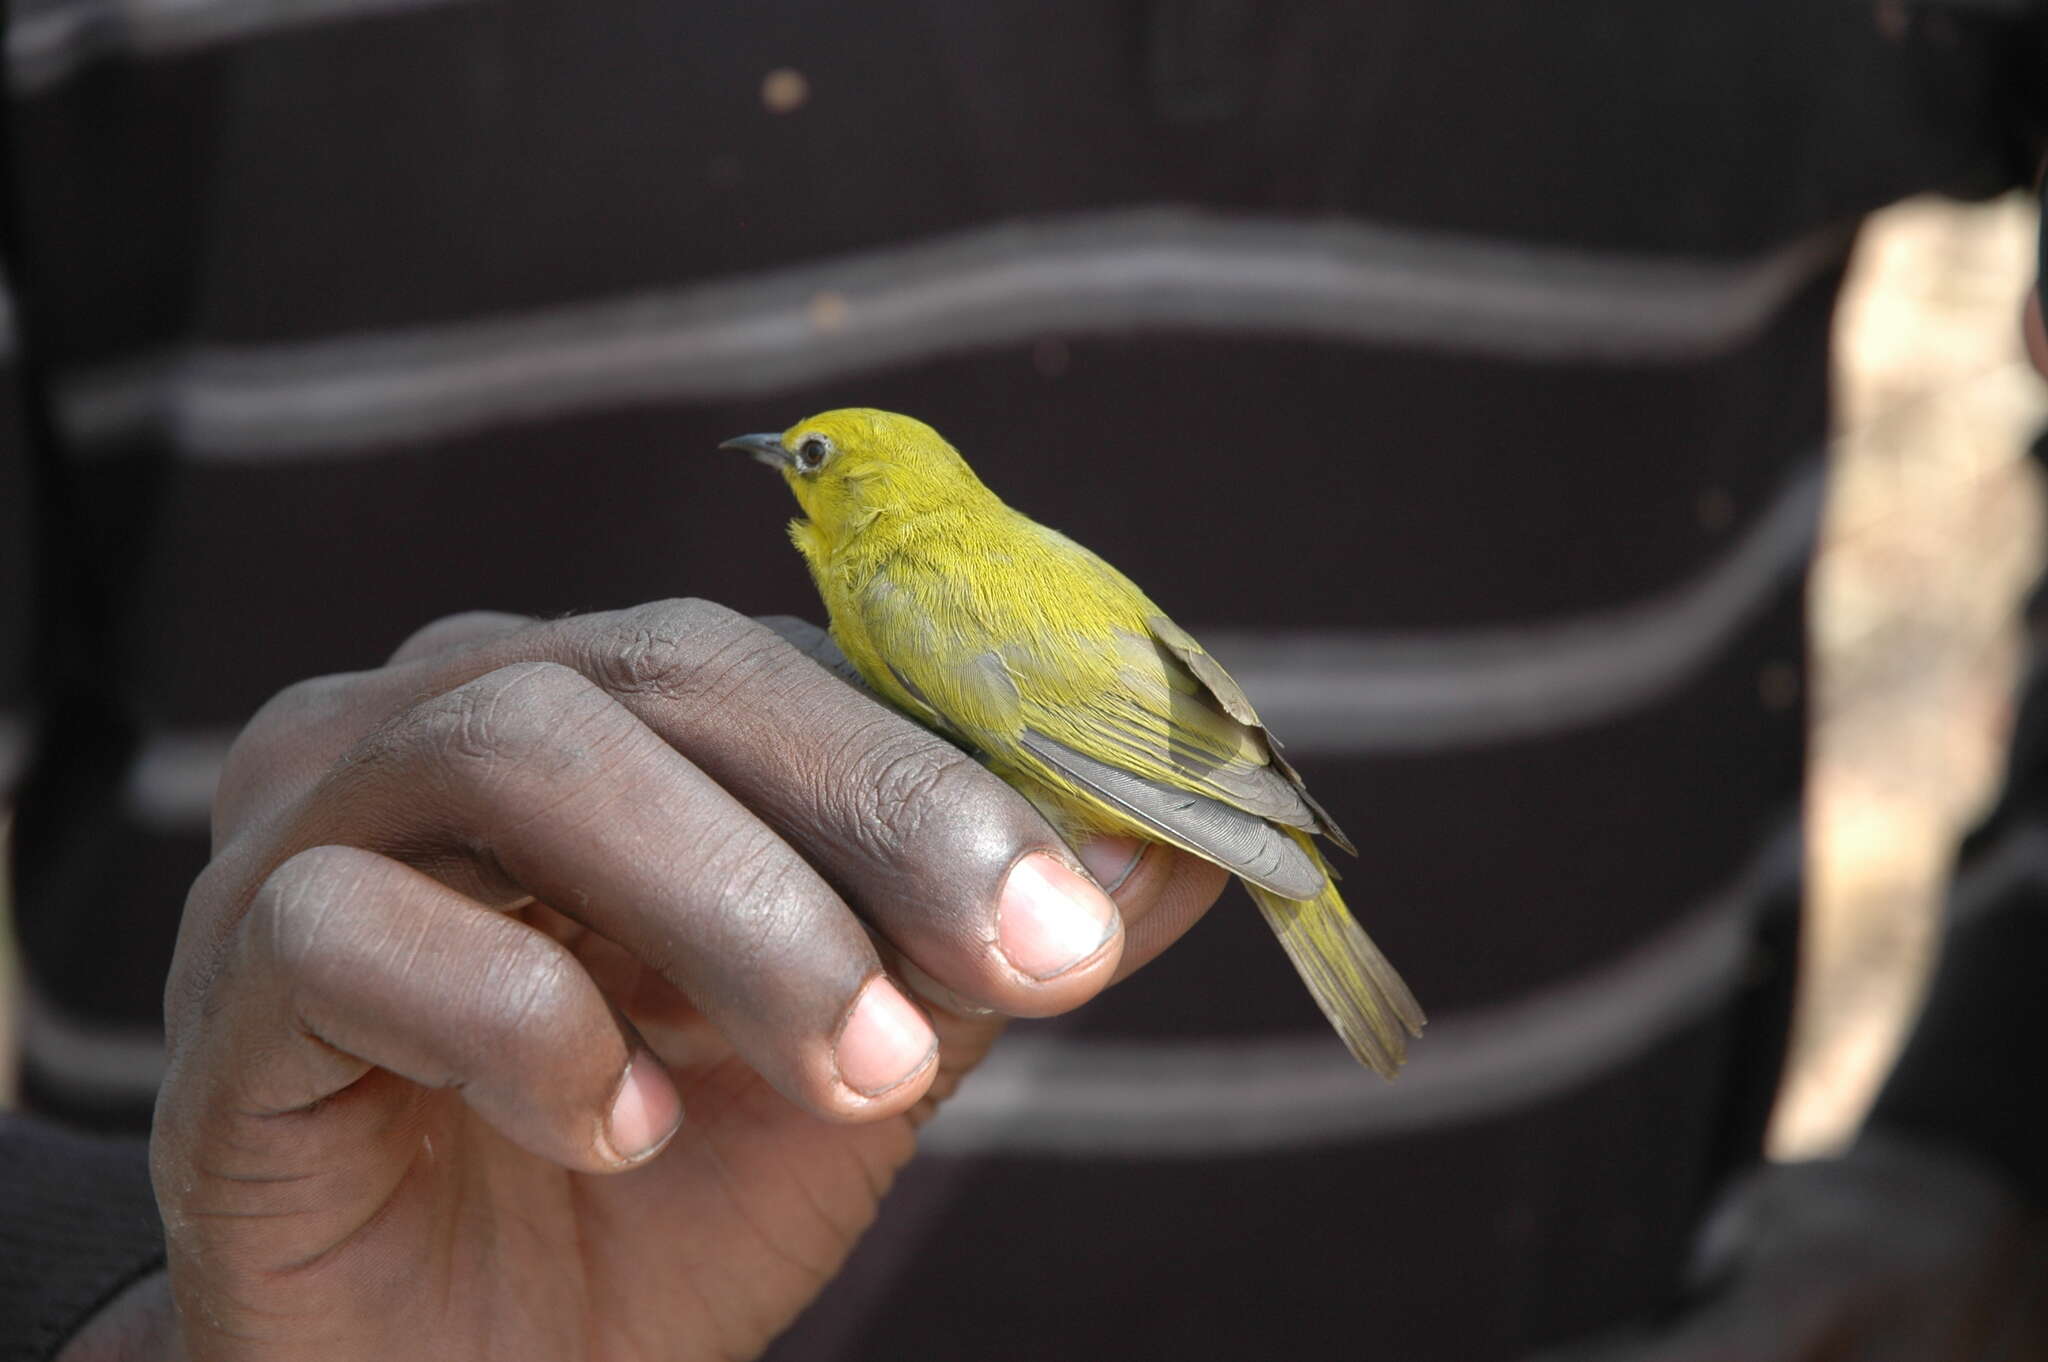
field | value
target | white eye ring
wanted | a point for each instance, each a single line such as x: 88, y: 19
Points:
x: 811, y: 452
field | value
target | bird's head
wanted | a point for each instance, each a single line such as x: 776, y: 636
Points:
x: 850, y: 467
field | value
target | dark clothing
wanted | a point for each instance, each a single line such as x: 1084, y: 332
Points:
x: 1457, y: 371
x: 80, y: 1224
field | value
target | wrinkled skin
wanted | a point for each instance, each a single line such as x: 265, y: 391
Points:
x: 454, y: 897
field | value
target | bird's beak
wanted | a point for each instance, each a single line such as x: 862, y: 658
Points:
x: 765, y: 448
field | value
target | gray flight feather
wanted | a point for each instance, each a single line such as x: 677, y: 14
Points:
x: 1242, y: 843
x: 1234, y: 702
x: 1257, y: 790
x: 1206, y: 668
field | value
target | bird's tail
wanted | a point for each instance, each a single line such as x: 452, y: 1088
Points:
x: 1352, y: 982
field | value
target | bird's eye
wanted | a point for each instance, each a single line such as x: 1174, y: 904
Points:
x: 811, y: 453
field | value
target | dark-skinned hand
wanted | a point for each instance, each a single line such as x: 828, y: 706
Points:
x: 575, y: 989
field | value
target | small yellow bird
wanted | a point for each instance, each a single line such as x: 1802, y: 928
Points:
x: 1069, y: 683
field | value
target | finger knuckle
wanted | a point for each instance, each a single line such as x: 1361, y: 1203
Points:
x: 452, y: 631
x: 528, y: 716
x: 904, y: 781
x: 282, y: 726
x: 751, y: 898
x: 684, y: 649
x: 535, y: 982
x: 768, y: 938
x: 298, y: 923
x: 314, y: 697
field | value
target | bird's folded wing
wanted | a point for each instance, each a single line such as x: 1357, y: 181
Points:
x: 1232, y: 699
x: 1240, y: 842
x: 1126, y: 723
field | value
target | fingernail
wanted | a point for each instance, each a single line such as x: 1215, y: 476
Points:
x: 1049, y: 919
x: 646, y: 1112
x: 885, y: 1042
x: 1111, y: 859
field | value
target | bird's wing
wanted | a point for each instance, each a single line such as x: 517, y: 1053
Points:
x: 1231, y: 697
x: 1240, y: 842
x: 1118, y: 719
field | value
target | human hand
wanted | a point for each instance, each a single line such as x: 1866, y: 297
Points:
x: 478, y: 918
x: 1895, y: 1252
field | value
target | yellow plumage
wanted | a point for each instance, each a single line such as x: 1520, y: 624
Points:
x: 1070, y: 684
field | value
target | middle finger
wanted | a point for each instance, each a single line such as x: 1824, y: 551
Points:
x: 531, y: 780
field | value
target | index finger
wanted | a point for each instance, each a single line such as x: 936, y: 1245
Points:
x: 948, y: 862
